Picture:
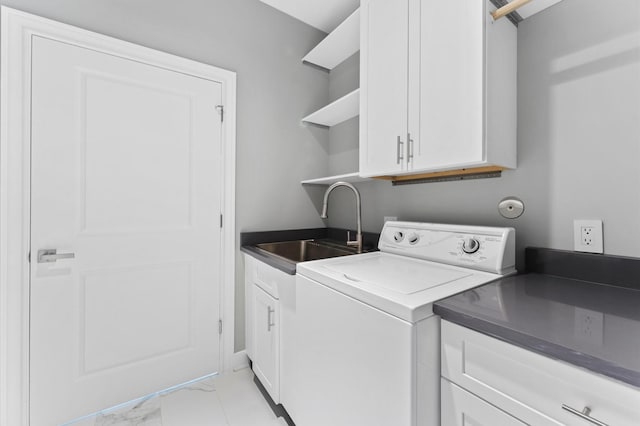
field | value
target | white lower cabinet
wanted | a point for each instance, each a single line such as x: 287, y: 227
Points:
x: 266, y: 341
x: 527, y: 386
x: 461, y: 408
x: 265, y: 333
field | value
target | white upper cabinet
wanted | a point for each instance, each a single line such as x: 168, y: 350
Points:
x: 438, y: 87
x: 447, y: 89
x: 384, y: 39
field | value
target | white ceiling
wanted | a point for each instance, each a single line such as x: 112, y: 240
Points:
x: 326, y: 15
x: 534, y: 7
x: 322, y: 14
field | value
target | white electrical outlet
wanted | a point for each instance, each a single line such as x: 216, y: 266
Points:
x: 390, y: 219
x: 587, y: 236
x: 589, y: 326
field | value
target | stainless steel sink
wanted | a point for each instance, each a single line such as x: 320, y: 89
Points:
x: 304, y: 250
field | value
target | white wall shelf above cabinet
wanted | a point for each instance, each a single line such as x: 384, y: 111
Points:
x: 330, y: 180
x: 337, y: 111
x: 339, y: 45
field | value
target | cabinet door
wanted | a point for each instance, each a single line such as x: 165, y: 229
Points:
x: 266, y: 341
x: 461, y: 408
x: 446, y: 84
x: 383, y: 83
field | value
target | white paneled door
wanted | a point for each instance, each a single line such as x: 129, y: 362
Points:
x: 126, y: 187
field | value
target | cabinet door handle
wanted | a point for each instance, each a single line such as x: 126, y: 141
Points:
x: 409, y: 147
x: 399, y: 154
x: 270, y: 324
x: 584, y: 414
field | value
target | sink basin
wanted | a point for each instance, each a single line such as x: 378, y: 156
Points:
x: 304, y: 250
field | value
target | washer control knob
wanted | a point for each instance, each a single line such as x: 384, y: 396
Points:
x: 413, y: 238
x: 470, y: 245
x: 398, y: 236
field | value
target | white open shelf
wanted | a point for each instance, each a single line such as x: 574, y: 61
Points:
x: 337, y: 111
x: 336, y: 47
x: 330, y: 180
x: 340, y: 44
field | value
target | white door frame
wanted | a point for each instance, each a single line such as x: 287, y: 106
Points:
x: 18, y: 28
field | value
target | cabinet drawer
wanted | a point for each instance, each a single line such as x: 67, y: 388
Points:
x: 530, y: 386
x: 461, y: 408
x: 267, y: 278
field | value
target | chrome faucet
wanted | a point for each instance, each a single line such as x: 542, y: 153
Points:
x: 325, y: 204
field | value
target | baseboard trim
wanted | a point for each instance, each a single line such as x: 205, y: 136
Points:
x: 239, y: 361
x: 277, y: 409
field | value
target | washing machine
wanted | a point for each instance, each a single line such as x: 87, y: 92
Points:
x: 366, y: 344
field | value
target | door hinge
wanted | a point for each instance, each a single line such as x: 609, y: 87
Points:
x: 219, y: 326
x: 220, y: 221
x: 220, y: 109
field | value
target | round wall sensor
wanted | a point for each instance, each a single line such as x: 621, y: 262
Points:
x: 511, y: 207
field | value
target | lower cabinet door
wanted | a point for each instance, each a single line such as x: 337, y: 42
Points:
x: 461, y: 408
x: 266, y: 341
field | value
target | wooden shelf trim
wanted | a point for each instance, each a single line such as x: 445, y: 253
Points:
x: 508, y: 8
x: 447, y: 173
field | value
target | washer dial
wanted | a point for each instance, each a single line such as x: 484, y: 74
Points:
x: 470, y: 245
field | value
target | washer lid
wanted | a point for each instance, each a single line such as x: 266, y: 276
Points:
x: 398, y: 274
x: 399, y: 285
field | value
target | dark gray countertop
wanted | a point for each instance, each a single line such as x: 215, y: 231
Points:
x: 595, y: 326
x: 277, y: 262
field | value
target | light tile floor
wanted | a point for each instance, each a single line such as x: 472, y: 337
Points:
x: 228, y: 400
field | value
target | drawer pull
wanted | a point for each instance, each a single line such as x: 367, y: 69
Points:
x: 584, y: 414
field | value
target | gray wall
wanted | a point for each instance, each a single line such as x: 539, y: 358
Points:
x: 578, y: 139
x: 343, y: 138
x: 275, y: 90
x: 578, y: 118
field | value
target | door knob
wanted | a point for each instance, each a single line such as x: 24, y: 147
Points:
x: 51, y: 255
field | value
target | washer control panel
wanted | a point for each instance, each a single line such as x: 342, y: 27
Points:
x: 478, y: 247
